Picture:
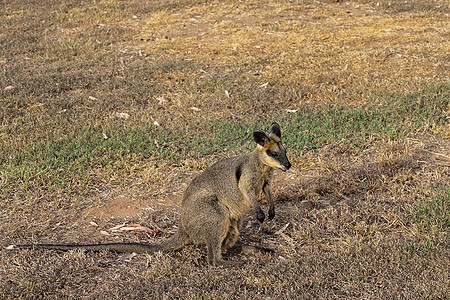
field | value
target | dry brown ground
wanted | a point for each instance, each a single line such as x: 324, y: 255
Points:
x: 348, y: 227
x: 366, y: 221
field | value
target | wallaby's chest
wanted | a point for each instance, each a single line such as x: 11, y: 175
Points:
x: 261, y: 180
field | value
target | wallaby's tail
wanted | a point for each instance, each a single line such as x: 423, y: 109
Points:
x: 118, y: 247
x: 176, y: 242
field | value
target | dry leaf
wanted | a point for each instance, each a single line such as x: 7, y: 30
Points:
x: 123, y: 116
x: 130, y: 256
x: 264, y: 84
x: 93, y: 98
x: 156, y: 123
x: 105, y: 137
x: 8, y: 88
x: 282, y: 229
x: 161, y: 101
x: 287, y: 238
x: 249, y: 224
x: 194, y: 108
x: 139, y: 228
x: 117, y: 227
x: 104, y: 232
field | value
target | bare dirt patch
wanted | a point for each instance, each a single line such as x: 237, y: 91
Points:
x: 120, y: 207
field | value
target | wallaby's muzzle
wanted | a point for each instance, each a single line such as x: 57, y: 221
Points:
x: 285, y: 166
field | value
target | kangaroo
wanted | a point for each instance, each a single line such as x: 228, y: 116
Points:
x: 215, y: 202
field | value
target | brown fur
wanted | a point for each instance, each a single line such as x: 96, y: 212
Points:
x: 216, y: 201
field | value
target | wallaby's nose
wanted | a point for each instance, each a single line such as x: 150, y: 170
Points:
x: 286, y: 166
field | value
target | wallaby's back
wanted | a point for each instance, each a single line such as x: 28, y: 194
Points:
x: 221, y: 180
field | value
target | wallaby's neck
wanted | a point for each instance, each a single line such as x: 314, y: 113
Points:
x: 259, y: 165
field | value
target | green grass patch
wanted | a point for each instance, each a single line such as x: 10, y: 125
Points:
x: 415, y: 247
x: 59, y: 159
x: 397, y: 116
x: 432, y: 218
x: 434, y: 213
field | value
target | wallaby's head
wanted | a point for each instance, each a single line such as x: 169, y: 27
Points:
x: 271, y: 151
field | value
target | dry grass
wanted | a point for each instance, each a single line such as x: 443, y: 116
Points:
x: 326, y: 51
x: 362, y: 214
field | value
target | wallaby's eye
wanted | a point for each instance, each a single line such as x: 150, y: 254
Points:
x: 272, y: 153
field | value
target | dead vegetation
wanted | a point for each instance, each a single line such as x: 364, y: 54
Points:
x: 112, y: 107
x: 349, y: 227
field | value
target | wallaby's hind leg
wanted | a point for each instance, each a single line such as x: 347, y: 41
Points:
x: 215, y: 241
x: 232, y: 235
x: 214, y: 251
x: 206, y: 220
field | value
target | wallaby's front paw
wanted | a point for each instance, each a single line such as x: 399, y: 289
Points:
x: 271, y: 214
x: 260, y: 216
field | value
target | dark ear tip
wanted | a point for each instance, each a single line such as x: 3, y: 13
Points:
x: 259, y: 134
x: 275, y: 128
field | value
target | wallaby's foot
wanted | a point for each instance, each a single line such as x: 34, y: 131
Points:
x: 260, y: 215
x: 271, y: 213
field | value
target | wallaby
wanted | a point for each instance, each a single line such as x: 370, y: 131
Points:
x: 216, y: 201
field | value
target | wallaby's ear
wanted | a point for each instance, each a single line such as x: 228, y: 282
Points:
x: 275, y: 131
x: 260, y: 137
